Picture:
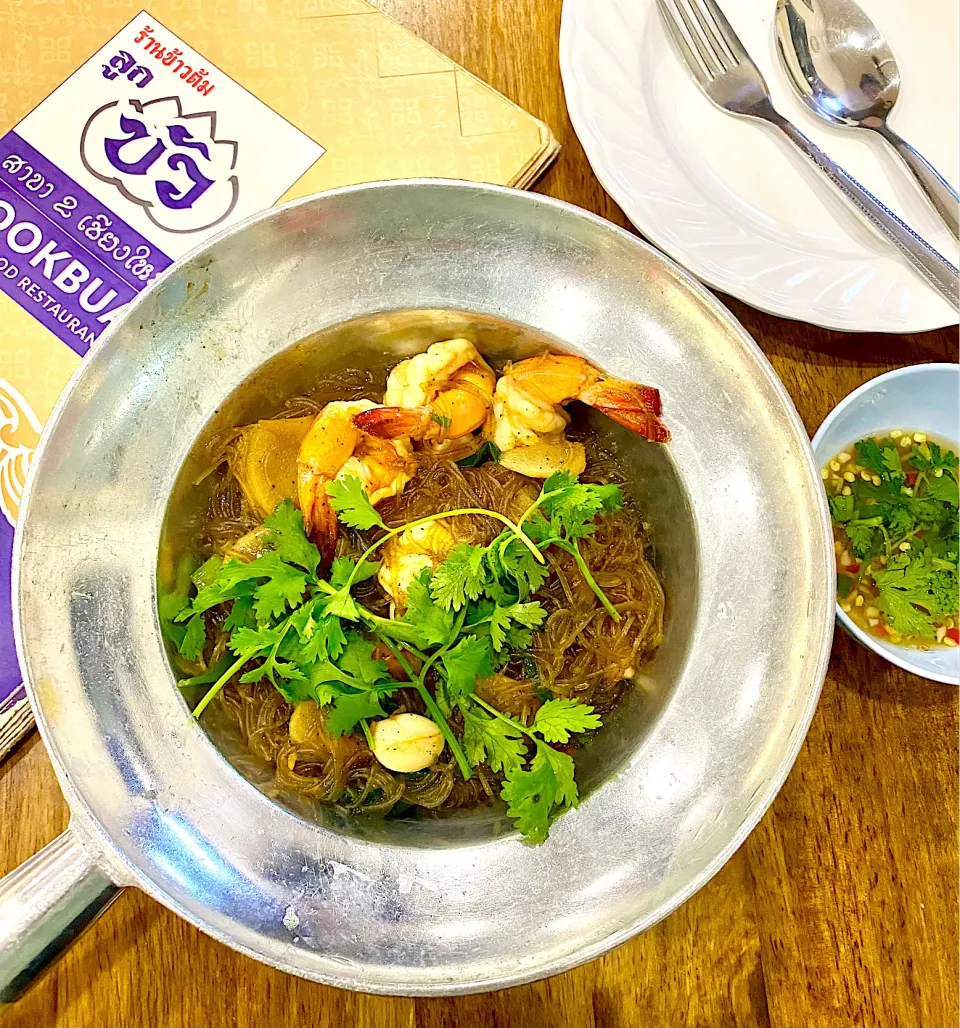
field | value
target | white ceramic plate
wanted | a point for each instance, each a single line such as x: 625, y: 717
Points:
x: 735, y: 203
x: 922, y: 398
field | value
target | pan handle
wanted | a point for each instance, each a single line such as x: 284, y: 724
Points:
x: 45, y: 904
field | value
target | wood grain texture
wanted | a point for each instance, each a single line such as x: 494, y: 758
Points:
x: 841, y: 907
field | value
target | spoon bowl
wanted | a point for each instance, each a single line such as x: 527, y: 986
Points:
x: 838, y: 60
x: 843, y: 69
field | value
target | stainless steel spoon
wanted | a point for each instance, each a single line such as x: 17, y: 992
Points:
x: 845, y: 72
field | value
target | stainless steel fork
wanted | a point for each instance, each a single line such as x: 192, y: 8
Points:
x: 726, y: 73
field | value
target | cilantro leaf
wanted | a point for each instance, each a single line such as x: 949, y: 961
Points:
x: 342, y: 605
x: 943, y: 460
x: 563, y: 771
x: 342, y: 568
x: 539, y: 529
x: 241, y: 614
x: 507, y: 556
x: 916, y: 590
x: 273, y: 583
x: 325, y: 671
x: 863, y: 539
x: 251, y: 642
x: 868, y: 494
x: 357, y: 660
x: 503, y: 621
x: 434, y: 625
x: 532, y: 795
x: 273, y: 666
x: 943, y: 489
x: 296, y: 690
x: 931, y: 512
x: 283, y: 589
x: 904, y: 616
x: 900, y: 521
x: 464, y: 663
x: 354, y: 509
x: 322, y: 692
x: 929, y: 457
x: 286, y: 535
x: 870, y: 456
x: 349, y: 709
x: 944, y: 587
x: 572, y: 505
x: 265, y: 643
x: 842, y: 508
x: 492, y: 741
x: 558, y: 718
x: 531, y: 615
x: 571, y: 508
x: 194, y: 638
x: 171, y: 605
x: 558, y: 481
x: 461, y: 577
x: 890, y: 456
x: 320, y: 636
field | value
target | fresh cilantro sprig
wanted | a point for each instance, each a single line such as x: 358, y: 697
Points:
x: 902, y: 527
x: 353, y: 507
x: 567, y: 513
x: 916, y: 592
x: 564, y: 513
x: 886, y: 511
x: 536, y: 794
x: 311, y: 638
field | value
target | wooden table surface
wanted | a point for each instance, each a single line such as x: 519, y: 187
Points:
x: 840, y: 908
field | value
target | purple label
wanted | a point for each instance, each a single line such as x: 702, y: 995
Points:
x: 64, y: 257
x: 9, y: 669
x: 73, y: 264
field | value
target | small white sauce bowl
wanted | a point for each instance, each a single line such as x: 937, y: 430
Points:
x: 921, y: 398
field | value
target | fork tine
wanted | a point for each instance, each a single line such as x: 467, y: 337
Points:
x: 711, y: 35
x: 725, y: 29
x: 698, y: 55
x: 697, y: 68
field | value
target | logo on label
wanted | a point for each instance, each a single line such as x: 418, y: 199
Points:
x: 167, y: 162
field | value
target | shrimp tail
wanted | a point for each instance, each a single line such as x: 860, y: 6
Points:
x: 636, y: 407
x: 394, y: 422
x: 319, y: 518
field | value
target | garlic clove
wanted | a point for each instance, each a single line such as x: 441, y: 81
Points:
x: 406, y: 742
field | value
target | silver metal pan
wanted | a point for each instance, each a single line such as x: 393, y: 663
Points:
x: 673, y: 787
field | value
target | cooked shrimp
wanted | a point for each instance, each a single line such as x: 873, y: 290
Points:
x: 530, y: 395
x: 441, y: 394
x: 407, y: 554
x: 334, y: 447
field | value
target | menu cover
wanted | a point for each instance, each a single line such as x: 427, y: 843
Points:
x: 127, y: 138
